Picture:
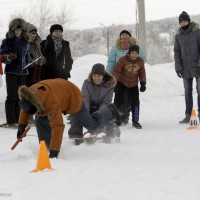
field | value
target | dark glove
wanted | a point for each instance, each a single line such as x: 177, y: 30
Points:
x: 142, y: 87
x: 179, y: 73
x: 12, y: 56
x: 198, y: 70
x: 53, y: 154
x: 31, y: 56
x: 21, y: 129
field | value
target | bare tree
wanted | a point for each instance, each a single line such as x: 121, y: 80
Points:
x: 64, y: 16
x: 43, y: 14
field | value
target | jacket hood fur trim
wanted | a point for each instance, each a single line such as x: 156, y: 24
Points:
x: 195, y: 27
x: 14, y: 24
x: 109, y: 79
x: 132, y: 41
x: 29, y: 94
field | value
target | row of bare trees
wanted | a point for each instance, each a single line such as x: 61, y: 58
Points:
x: 94, y: 41
x: 43, y: 14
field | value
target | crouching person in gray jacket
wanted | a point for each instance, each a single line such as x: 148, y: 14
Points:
x: 97, y: 93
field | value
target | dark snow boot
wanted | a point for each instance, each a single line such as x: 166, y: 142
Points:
x: 186, y: 120
x: 116, y: 115
x: 136, y: 125
x: 76, y: 135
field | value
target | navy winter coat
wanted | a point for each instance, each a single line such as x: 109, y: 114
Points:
x: 20, y: 47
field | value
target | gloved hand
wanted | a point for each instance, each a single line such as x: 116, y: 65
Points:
x: 21, y: 129
x: 198, y: 70
x: 31, y: 56
x: 53, y: 154
x: 179, y: 73
x: 12, y: 56
x: 142, y: 87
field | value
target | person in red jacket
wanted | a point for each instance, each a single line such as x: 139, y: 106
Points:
x: 48, y: 100
x: 128, y: 71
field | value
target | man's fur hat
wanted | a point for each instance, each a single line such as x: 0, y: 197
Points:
x: 30, y: 95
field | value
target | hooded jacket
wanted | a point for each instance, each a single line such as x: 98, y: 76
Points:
x: 35, y: 52
x: 17, y: 45
x: 187, y: 50
x: 52, y: 98
x: 98, y: 95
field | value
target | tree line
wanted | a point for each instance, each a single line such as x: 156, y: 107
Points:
x: 159, y: 34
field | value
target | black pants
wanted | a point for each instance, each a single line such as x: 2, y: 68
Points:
x: 43, y: 129
x: 13, y: 82
x: 124, y: 97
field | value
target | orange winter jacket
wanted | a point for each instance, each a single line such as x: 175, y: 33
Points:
x: 52, y: 98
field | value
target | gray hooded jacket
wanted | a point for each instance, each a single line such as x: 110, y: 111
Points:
x: 98, y: 95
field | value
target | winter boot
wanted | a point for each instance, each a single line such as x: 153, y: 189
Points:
x: 124, y: 120
x: 136, y: 125
x: 186, y: 120
x: 116, y: 115
x: 11, y: 125
x: 135, y: 118
x: 75, y: 135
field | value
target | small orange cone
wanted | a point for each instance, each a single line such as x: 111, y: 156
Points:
x: 193, y: 124
x: 43, y: 159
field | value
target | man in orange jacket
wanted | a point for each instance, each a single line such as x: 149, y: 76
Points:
x: 51, y: 98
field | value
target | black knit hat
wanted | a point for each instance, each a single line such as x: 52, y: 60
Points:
x: 133, y: 48
x: 56, y: 27
x: 184, y: 16
x: 98, y: 69
x: 124, y: 31
x: 27, y: 107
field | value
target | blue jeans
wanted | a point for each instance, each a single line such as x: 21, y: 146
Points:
x: 188, y: 86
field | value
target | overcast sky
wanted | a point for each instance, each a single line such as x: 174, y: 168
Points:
x: 90, y: 13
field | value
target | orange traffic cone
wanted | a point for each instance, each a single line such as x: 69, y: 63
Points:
x: 43, y: 158
x: 193, y: 124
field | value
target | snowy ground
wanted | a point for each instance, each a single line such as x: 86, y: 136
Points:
x: 159, y: 162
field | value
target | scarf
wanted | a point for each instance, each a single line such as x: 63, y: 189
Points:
x: 58, y: 45
x: 124, y: 44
